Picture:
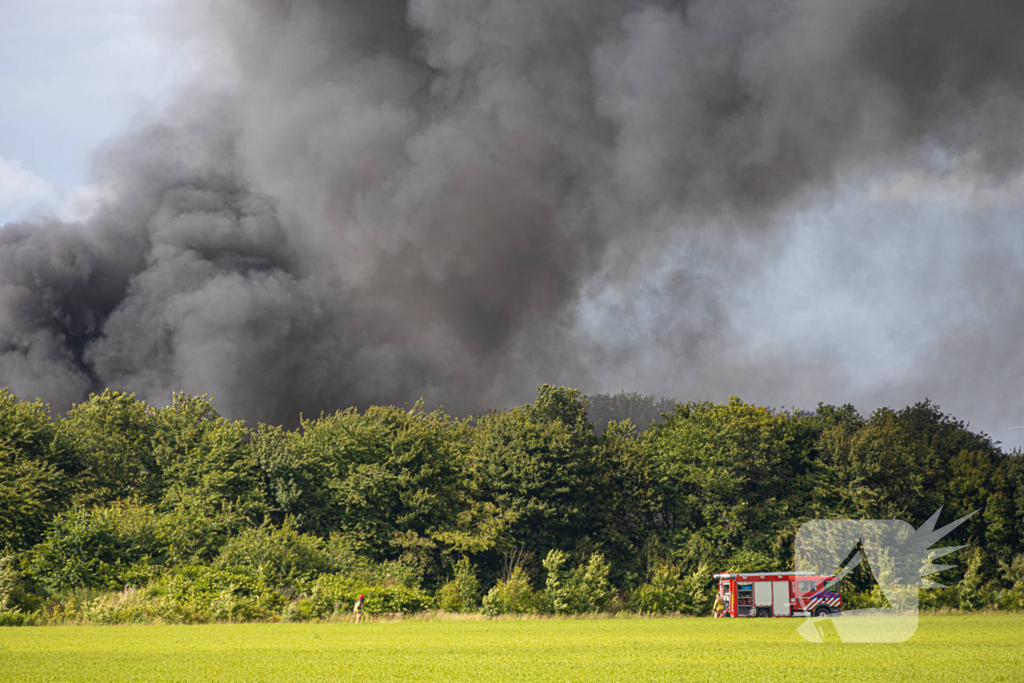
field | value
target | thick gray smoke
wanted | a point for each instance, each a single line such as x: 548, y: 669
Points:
x: 376, y: 200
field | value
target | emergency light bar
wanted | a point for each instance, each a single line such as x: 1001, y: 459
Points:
x: 764, y: 574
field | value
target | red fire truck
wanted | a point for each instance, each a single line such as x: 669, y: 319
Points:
x: 779, y: 594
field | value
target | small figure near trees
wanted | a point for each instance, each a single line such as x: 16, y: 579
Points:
x: 719, y: 606
x: 358, y: 608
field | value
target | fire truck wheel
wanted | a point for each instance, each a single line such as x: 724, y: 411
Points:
x: 764, y: 613
x: 822, y: 612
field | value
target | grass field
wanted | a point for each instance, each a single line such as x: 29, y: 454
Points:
x: 986, y: 647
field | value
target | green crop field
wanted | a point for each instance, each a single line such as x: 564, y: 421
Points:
x: 986, y: 647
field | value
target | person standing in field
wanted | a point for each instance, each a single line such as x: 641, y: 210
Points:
x: 719, y: 607
x: 358, y: 608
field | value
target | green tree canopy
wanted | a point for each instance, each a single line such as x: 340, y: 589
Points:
x: 742, y: 476
x: 110, y: 437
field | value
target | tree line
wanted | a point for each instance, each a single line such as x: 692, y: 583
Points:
x: 119, y: 510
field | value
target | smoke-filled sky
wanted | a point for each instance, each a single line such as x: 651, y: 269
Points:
x: 359, y: 201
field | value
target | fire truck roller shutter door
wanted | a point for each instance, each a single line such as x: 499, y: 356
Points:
x: 762, y: 594
x: 780, y: 596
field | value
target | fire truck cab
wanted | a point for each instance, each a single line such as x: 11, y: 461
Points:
x: 779, y: 594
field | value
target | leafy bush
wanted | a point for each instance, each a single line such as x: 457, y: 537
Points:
x: 343, y: 559
x: 396, y: 572
x: 110, y: 438
x: 745, y: 560
x: 199, y: 593
x: 333, y: 594
x: 125, y: 607
x: 203, y: 458
x: 298, y: 610
x: 98, y: 547
x: 665, y: 593
x: 938, y: 598
x: 462, y: 593
x: 195, y: 535
x: 973, y: 591
x: 30, y: 494
x: 280, y: 556
x: 869, y: 599
x: 11, y: 588
x: 586, y: 589
x: 17, y: 618
x: 126, y: 544
x: 1013, y: 574
x: 284, y: 557
x: 511, y: 596
x: 381, y: 478
x: 668, y: 592
x: 34, y: 472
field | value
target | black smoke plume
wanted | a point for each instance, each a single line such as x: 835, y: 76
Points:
x: 366, y: 201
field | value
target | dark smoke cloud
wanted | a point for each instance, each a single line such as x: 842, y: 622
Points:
x: 460, y: 199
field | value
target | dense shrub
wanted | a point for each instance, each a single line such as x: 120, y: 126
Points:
x: 513, y: 595
x: 29, y: 496
x: 110, y: 437
x: 1013, y: 574
x: 105, y: 547
x: 729, y: 469
x: 11, y: 589
x: 975, y: 591
x: 379, y: 478
x: 462, y: 593
x: 333, y: 594
x: 537, y: 463
x: 585, y: 589
x: 200, y: 593
x: 16, y: 618
x: 129, y: 606
x: 194, y: 535
x: 279, y: 556
x: 938, y: 598
x: 203, y: 458
x: 34, y: 472
x: 669, y: 592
